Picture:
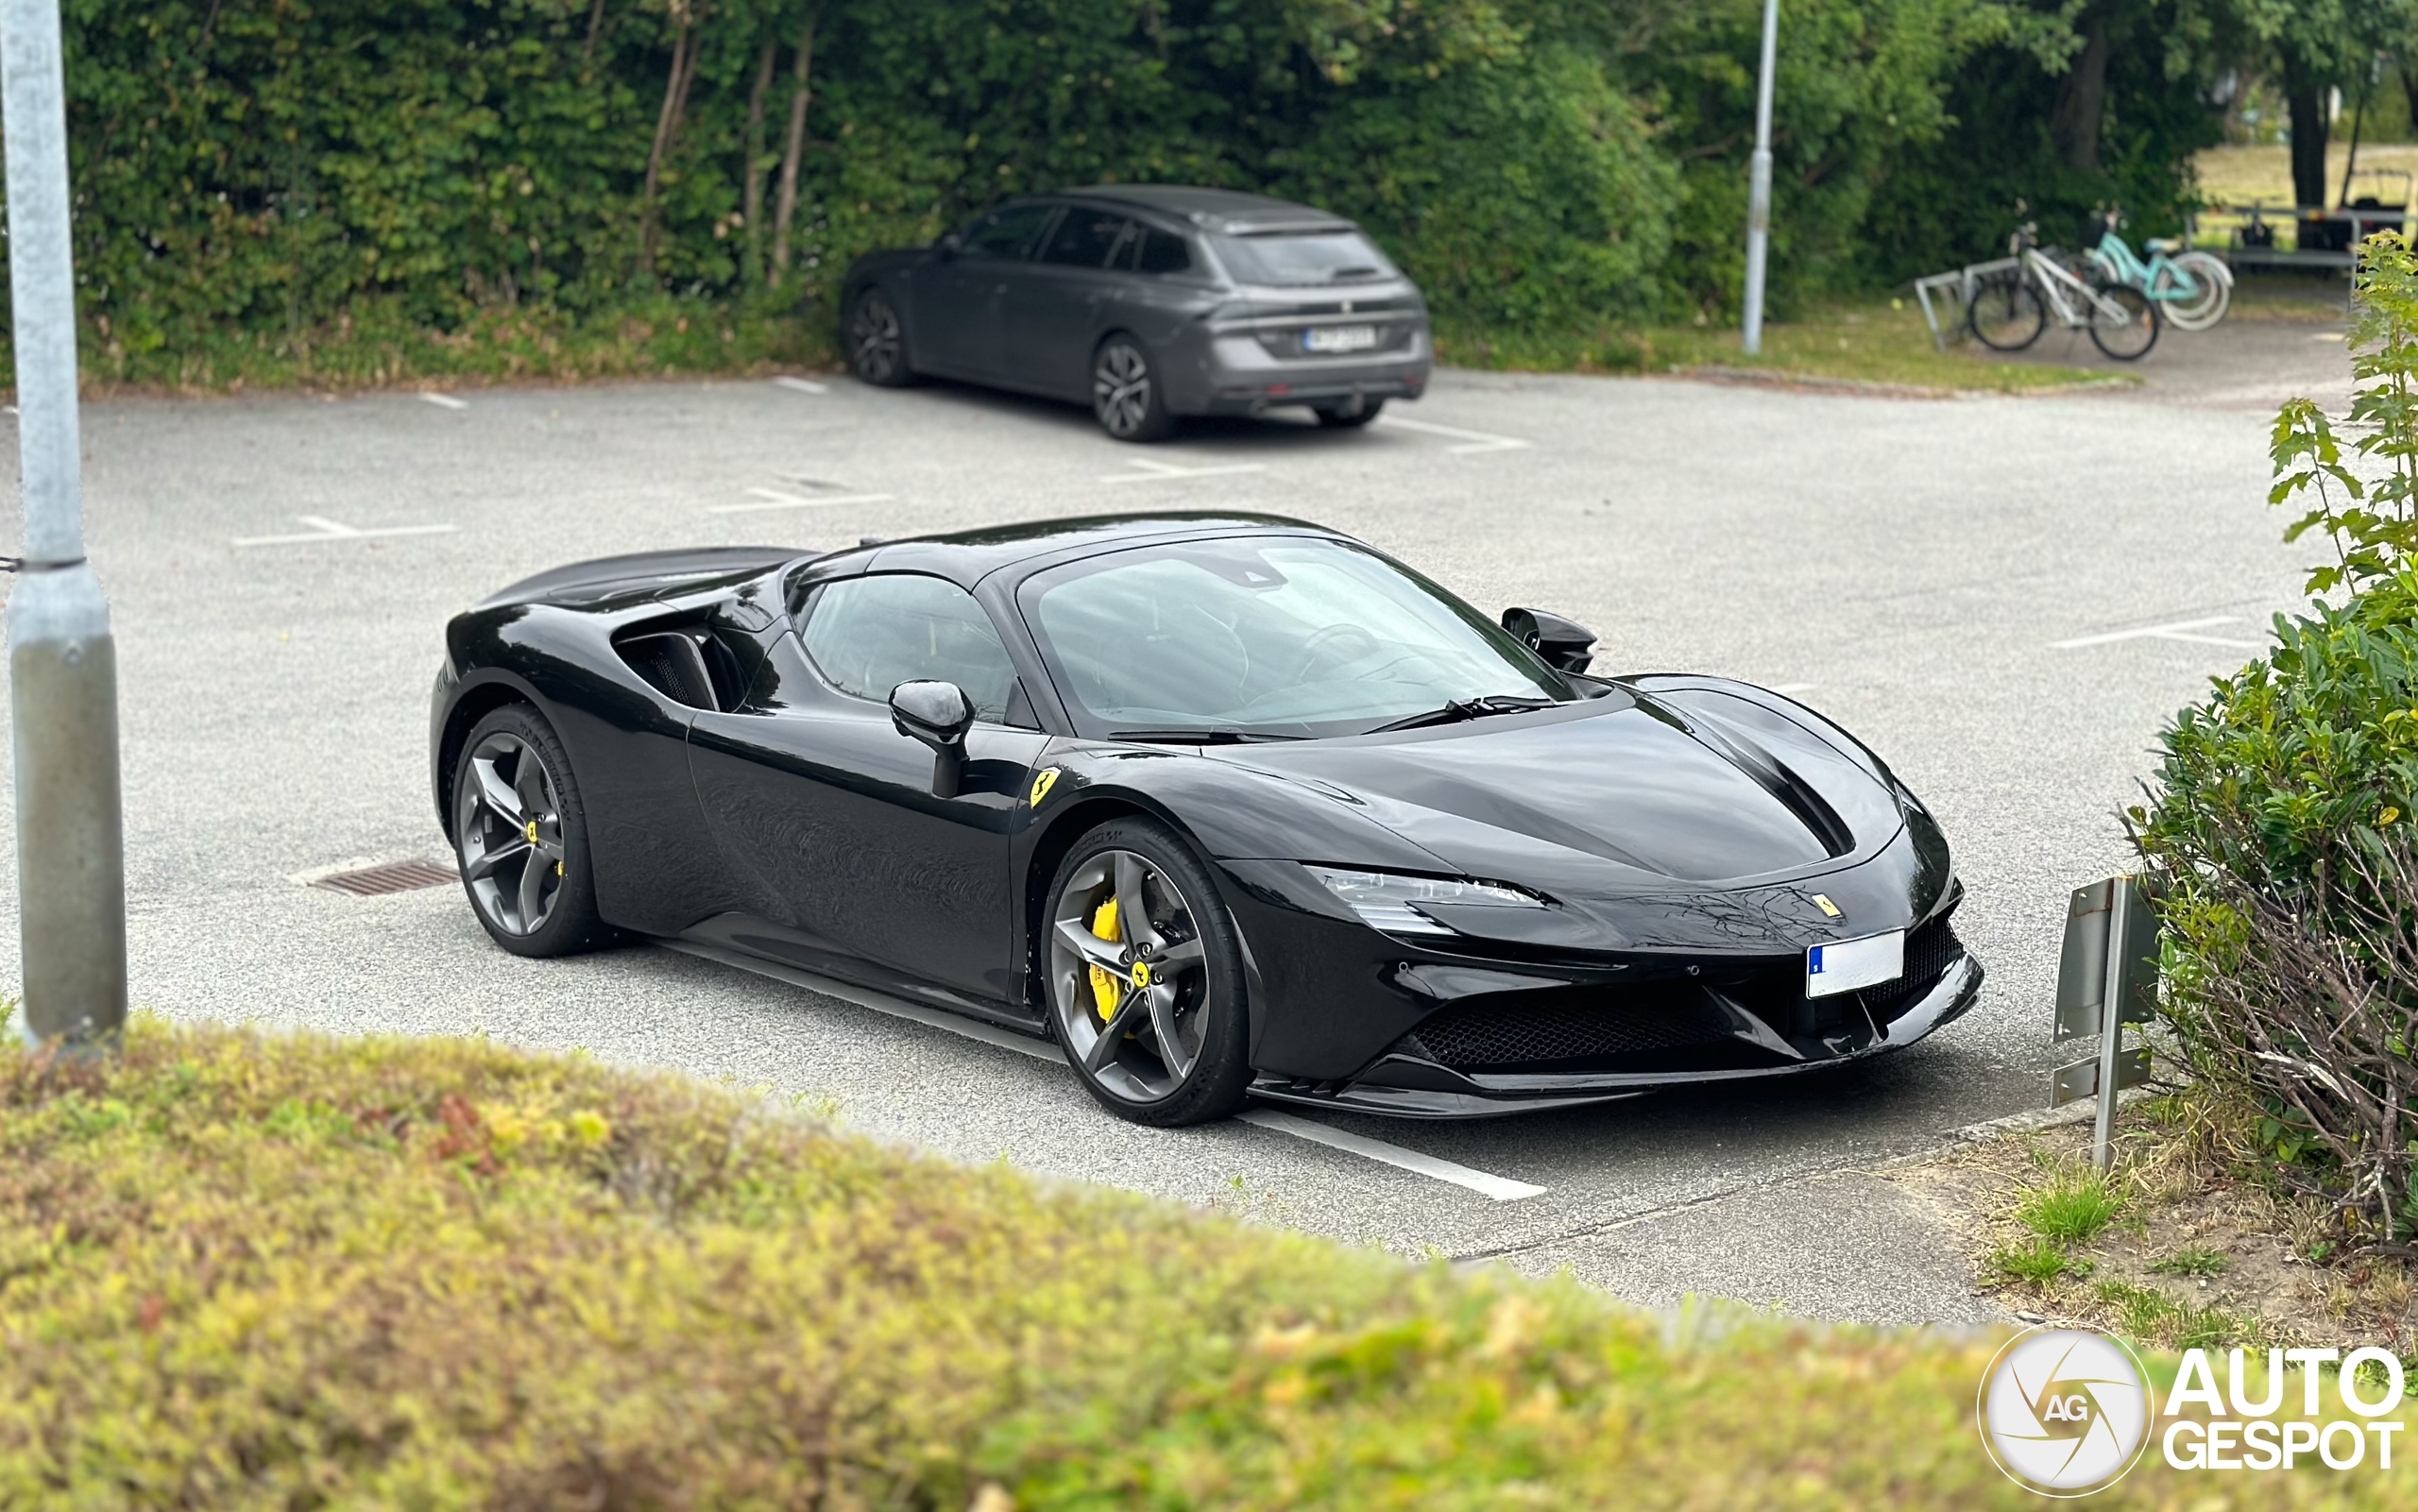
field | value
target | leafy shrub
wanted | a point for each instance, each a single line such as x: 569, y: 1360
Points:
x: 260, y: 183
x: 269, y: 1271
x: 2282, y: 820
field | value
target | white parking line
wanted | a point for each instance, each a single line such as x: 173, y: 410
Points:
x: 323, y: 529
x: 2179, y: 630
x: 1161, y: 472
x: 446, y: 401
x: 1477, y: 441
x: 774, y: 499
x: 804, y: 385
x: 1500, y: 1188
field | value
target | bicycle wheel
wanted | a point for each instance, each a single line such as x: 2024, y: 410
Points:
x: 2130, y: 338
x: 2211, y: 296
x: 2007, y: 314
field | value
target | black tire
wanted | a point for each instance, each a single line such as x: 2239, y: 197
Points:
x: 1097, y: 989
x: 516, y: 815
x: 1340, y: 418
x: 2130, y: 341
x: 1127, y: 399
x: 875, y: 342
x: 2007, y: 314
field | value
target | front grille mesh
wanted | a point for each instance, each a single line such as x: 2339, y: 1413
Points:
x: 1557, y: 1026
x: 1540, y: 1029
x: 1930, y: 951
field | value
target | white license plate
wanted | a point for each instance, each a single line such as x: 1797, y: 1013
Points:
x: 1338, y: 338
x: 1843, y: 966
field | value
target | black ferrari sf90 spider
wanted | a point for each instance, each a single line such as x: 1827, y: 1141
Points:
x: 1229, y: 806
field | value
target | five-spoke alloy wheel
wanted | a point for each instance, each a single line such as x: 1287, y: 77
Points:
x: 877, y: 344
x: 1145, y: 978
x: 520, y: 838
x: 1126, y: 394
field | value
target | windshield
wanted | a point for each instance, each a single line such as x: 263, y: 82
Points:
x: 1267, y: 636
x: 1321, y: 257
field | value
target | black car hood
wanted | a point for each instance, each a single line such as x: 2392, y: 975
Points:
x: 1698, y: 784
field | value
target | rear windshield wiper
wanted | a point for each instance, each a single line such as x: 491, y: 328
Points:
x: 1199, y: 736
x: 1466, y: 708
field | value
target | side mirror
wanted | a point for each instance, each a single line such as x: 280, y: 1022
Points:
x: 1563, y: 644
x: 937, y: 714
x: 949, y: 246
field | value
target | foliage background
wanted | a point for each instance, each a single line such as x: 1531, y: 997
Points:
x: 302, y: 189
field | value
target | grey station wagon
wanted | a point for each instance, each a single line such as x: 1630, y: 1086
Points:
x: 1150, y: 302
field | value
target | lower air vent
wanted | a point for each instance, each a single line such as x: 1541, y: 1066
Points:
x: 1532, y: 1029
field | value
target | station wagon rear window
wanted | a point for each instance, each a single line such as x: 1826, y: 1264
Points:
x: 1293, y: 259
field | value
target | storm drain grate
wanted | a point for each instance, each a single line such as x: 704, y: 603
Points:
x: 393, y: 877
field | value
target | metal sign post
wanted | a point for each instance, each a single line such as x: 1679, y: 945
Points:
x: 62, y: 665
x: 2107, y: 978
x: 1759, y: 185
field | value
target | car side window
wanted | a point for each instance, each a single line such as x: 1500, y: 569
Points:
x: 868, y: 635
x: 1152, y: 250
x: 1085, y: 238
x: 1007, y: 235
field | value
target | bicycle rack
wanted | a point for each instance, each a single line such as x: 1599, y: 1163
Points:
x: 1962, y: 281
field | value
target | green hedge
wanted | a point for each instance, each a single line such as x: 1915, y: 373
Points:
x: 268, y: 1271
x: 287, y: 189
x: 2281, y: 822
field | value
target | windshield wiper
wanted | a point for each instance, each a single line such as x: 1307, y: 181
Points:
x: 1199, y: 736
x: 1466, y: 708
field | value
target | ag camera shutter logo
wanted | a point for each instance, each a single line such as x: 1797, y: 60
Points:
x: 2066, y: 1412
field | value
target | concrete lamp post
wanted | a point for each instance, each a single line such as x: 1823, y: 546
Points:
x: 62, y: 666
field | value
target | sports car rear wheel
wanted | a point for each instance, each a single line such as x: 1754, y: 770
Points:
x: 1145, y: 978
x: 520, y: 836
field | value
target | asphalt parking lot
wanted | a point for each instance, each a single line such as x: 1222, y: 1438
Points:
x: 2004, y: 597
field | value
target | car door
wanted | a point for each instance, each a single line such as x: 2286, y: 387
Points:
x: 1053, y: 312
x: 825, y: 812
x: 956, y: 324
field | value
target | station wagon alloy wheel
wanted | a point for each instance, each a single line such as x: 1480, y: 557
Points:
x: 1125, y: 393
x: 511, y: 829
x: 1129, y: 978
x: 876, y: 348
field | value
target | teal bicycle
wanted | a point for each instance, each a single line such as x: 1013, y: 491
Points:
x: 2194, y: 289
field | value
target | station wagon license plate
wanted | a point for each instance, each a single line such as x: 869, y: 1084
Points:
x: 1338, y: 338
x: 1846, y: 964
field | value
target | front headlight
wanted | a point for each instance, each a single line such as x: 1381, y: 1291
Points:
x: 1386, y: 901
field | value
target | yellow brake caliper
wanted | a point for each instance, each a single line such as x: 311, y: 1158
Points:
x: 1105, y: 991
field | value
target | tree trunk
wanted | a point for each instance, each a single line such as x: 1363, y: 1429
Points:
x: 2305, y: 95
x: 667, y: 129
x: 785, y: 205
x: 752, y: 142
x: 2081, y: 112
x: 2351, y: 159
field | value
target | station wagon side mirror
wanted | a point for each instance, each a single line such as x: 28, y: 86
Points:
x: 937, y: 714
x: 1565, y: 644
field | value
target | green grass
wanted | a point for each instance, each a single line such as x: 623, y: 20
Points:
x: 255, y: 1270
x: 2150, y: 1315
x: 1871, y: 341
x: 2191, y: 1262
x: 2038, y: 1262
x: 2071, y: 1207
x: 379, y: 344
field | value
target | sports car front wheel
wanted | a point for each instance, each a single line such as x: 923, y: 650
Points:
x: 1145, y: 978
x: 520, y: 836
